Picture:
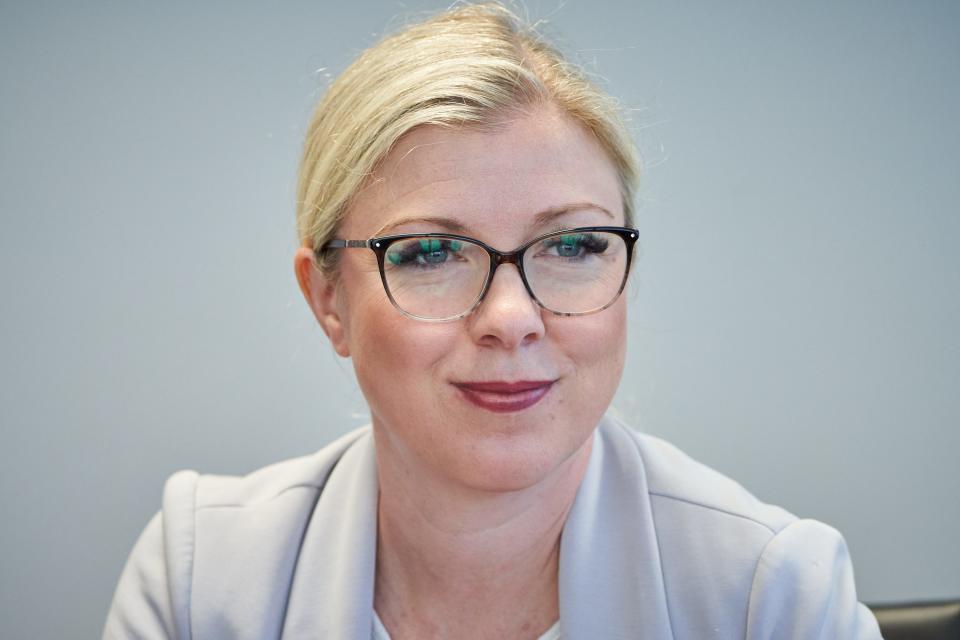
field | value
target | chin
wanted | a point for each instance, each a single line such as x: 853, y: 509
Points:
x: 505, y: 464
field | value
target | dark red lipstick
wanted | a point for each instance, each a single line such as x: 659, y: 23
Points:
x: 504, y: 397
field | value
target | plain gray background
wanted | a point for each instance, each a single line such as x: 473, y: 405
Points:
x: 793, y: 320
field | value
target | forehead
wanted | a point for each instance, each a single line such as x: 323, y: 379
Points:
x: 491, y: 181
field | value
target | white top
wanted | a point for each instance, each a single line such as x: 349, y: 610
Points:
x: 380, y: 632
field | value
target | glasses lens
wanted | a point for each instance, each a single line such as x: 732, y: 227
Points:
x: 576, y: 271
x: 435, y: 277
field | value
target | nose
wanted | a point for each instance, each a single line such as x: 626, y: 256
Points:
x: 507, y: 317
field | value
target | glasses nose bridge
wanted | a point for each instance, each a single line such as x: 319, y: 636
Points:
x: 498, y: 258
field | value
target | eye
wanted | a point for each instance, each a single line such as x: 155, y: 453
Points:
x: 423, y: 252
x: 574, y: 245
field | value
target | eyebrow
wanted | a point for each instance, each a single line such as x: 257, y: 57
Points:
x: 449, y: 224
x: 548, y: 215
x: 540, y: 219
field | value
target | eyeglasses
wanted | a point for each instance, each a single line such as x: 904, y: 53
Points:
x: 442, y: 277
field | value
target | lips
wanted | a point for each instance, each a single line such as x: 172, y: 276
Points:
x: 503, y: 396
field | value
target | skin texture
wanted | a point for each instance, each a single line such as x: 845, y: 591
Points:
x: 473, y: 501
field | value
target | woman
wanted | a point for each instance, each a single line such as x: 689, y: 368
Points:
x: 465, y: 216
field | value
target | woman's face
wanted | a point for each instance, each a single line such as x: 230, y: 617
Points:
x: 443, y: 396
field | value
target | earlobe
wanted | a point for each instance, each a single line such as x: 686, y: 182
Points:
x: 320, y: 292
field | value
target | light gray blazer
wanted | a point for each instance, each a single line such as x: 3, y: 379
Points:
x: 655, y: 546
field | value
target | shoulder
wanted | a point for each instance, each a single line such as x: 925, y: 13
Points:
x: 307, y: 473
x: 677, y: 482
x: 710, y: 529
x: 215, y: 533
x: 259, y: 517
x: 733, y: 562
x: 803, y: 587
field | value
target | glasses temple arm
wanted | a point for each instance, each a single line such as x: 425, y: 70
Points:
x: 346, y: 244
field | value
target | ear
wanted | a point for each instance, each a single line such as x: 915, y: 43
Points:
x: 320, y: 291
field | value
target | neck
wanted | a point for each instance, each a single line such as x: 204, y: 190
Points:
x: 448, y: 555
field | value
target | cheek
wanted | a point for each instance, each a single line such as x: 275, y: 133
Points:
x: 396, y: 358
x: 594, y: 340
x: 596, y: 346
x: 366, y: 311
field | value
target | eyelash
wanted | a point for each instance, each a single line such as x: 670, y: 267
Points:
x: 411, y: 253
x: 585, y: 241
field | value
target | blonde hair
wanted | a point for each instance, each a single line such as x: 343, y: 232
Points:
x: 468, y: 66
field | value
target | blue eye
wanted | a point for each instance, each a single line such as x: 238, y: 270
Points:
x: 423, y: 252
x: 576, y: 245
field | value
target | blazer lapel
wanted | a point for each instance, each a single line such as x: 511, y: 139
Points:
x: 332, y: 591
x: 611, y: 581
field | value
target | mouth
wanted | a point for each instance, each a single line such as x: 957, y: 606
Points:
x: 505, y: 397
